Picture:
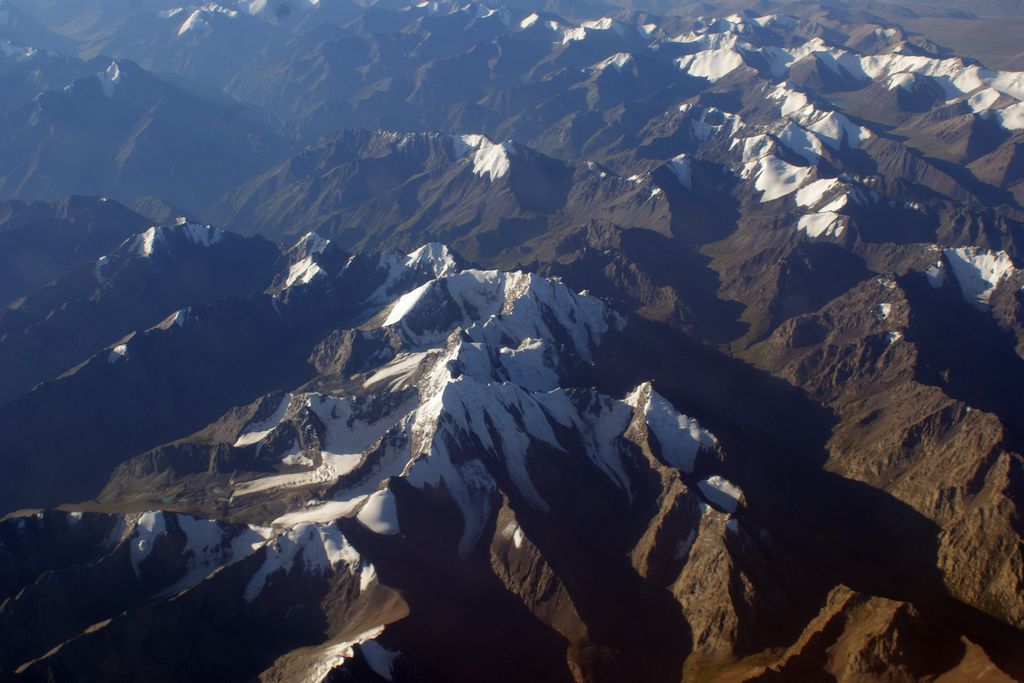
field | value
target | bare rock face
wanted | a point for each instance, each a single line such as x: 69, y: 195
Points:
x: 858, y: 637
x: 704, y: 363
x: 945, y: 459
x: 520, y: 566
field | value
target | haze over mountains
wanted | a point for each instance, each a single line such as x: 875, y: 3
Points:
x: 467, y: 342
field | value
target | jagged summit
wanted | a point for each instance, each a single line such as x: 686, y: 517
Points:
x: 509, y: 343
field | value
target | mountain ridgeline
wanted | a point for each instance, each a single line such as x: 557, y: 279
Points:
x: 439, y: 342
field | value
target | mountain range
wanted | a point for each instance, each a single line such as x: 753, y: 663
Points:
x: 466, y: 342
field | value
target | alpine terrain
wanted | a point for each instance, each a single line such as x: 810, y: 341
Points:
x: 572, y: 340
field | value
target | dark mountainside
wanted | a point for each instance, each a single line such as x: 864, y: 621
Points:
x: 557, y: 341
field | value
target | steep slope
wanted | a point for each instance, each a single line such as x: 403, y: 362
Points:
x: 161, y: 272
x: 27, y: 70
x: 124, y: 133
x: 454, y: 434
x: 40, y: 242
x: 717, y: 376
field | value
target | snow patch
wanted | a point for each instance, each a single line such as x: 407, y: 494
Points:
x: 618, y: 61
x: 380, y: 513
x: 713, y: 64
x: 936, y: 274
x: 302, y: 272
x: 257, y: 431
x: 776, y: 178
x: 721, y: 493
x: 813, y: 193
x: 682, y: 167
x: 602, y: 24
x: 321, y: 548
x: 148, y: 529
x: 825, y: 223
x: 378, y: 658
x: 110, y: 79
x: 432, y: 258
x: 679, y: 436
x: 979, y: 271
x: 117, y: 353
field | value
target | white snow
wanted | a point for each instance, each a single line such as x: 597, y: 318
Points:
x: 776, y: 178
x: 367, y: 575
x: 617, y: 61
x: 721, y: 492
x: 179, y: 318
x: 311, y: 243
x: 405, y: 304
x: 302, y: 272
x: 207, y: 549
x: 602, y: 24
x: 706, y: 122
x: 956, y: 77
x: 824, y: 223
x: 1012, y: 117
x: 320, y: 547
x: 492, y: 160
x: 378, y: 658
x: 349, y: 433
x: 830, y: 127
x: 754, y: 147
x: 682, y: 167
x: 800, y: 140
x: 18, y: 52
x: 468, y: 483
x: 351, y: 429
x: 397, y: 372
x: 679, y: 436
x: 529, y: 20
x: 601, y: 421
x: 884, y: 310
x: 936, y: 274
x: 812, y: 194
x: 721, y: 46
x: 380, y: 513
x: 489, y: 159
x: 117, y: 353
x: 487, y: 378
x: 530, y: 365
x: 257, y: 431
x: 839, y: 202
x: 199, y: 19
x: 905, y: 81
x: 983, y: 99
x: 432, y: 258
x: 110, y: 79
x: 150, y: 526
x: 321, y: 513
x: 294, y: 457
x: 199, y: 235
x: 979, y: 271
x: 713, y: 64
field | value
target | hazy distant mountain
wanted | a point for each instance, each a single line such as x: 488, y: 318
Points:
x: 125, y: 133
x: 41, y: 241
